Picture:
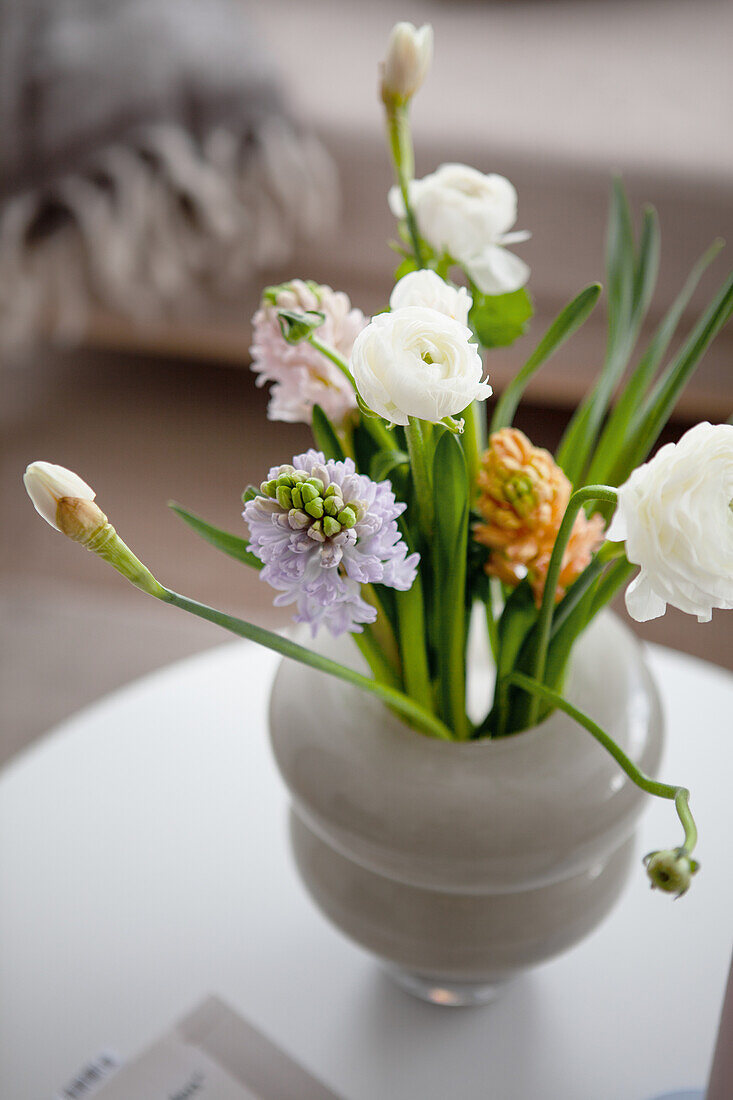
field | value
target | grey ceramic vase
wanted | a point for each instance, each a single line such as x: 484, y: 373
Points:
x: 461, y: 864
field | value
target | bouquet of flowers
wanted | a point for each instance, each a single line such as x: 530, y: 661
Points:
x: 412, y: 510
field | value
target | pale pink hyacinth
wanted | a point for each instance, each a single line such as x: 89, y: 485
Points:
x: 302, y: 376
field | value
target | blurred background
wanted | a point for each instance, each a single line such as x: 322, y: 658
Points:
x: 162, y: 160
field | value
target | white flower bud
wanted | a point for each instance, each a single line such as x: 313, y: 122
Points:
x: 408, y: 57
x: 47, y: 484
x: 417, y: 362
x: 675, y: 514
x: 426, y: 288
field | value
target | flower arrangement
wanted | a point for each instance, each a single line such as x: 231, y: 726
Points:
x: 411, y: 510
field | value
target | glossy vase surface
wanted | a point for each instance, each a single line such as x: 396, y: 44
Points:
x: 460, y: 864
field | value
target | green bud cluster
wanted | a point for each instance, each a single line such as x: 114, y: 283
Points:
x: 311, y: 504
x: 520, y: 492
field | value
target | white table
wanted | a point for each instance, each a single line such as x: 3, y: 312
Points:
x: 144, y: 863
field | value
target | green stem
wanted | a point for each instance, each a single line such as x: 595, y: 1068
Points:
x: 371, y: 651
x: 544, y: 620
x: 403, y: 158
x: 492, y: 627
x: 411, y: 626
x: 421, y: 479
x: 374, y: 424
x: 473, y: 443
x: 380, y: 636
x: 407, y: 708
x: 680, y: 795
x: 332, y: 354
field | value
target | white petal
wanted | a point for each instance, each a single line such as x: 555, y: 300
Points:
x: 617, y: 528
x: 47, y: 483
x: 497, y: 271
x: 642, y: 602
x: 396, y: 203
x: 516, y: 237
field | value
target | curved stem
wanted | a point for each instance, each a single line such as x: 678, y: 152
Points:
x: 544, y: 621
x: 331, y: 354
x: 373, y: 424
x: 680, y: 795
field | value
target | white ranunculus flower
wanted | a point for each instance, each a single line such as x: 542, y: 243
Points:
x: 417, y: 362
x: 426, y: 288
x: 47, y: 484
x: 408, y: 57
x: 675, y: 514
x: 468, y: 215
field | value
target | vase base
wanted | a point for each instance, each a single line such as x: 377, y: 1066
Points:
x: 450, y: 994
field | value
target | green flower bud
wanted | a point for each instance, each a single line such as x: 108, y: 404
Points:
x: 332, y: 505
x: 298, y: 325
x: 269, y: 488
x: 284, y: 497
x: 331, y: 526
x: 347, y: 516
x: 308, y: 492
x: 296, y: 497
x: 315, y: 483
x: 670, y: 871
x: 314, y: 508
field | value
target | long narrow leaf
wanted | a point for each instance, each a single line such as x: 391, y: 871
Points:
x: 564, y: 325
x: 451, y: 493
x: 413, y: 712
x: 657, y: 409
x: 232, y: 545
x: 516, y: 621
x: 623, y: 321
x: 647, y: 268
x: 615, y: 432
x: 325, y: 435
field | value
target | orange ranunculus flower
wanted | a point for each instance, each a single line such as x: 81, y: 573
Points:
x: 523, y: 495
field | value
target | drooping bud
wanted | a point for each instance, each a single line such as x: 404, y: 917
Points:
x: 406, y: 63
x: 296, y: 326
x: 670, y: 871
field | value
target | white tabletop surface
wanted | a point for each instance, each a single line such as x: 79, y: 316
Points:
x: 144, y: 863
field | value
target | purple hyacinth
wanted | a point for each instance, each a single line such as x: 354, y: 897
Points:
x: 322, y: 530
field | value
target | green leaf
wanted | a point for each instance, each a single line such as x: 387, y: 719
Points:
x: 450, y: 488
x: 613, y: 439
x: 500, y: 319
x: 516, y: 621
x: 232, y: 545
x: 408, y: 265
x: 658, y: 407
x: 384, y: 463
x: 325, y: 436
x: 407, y: 708
x: 579, y: 438
x: 564, y: 325
x: 647, y: 267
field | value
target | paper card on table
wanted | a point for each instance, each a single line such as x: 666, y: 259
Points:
x: 173, y: 1070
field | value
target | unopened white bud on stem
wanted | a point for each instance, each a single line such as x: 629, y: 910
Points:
x: 408, y: 58
x: 67, y: 504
